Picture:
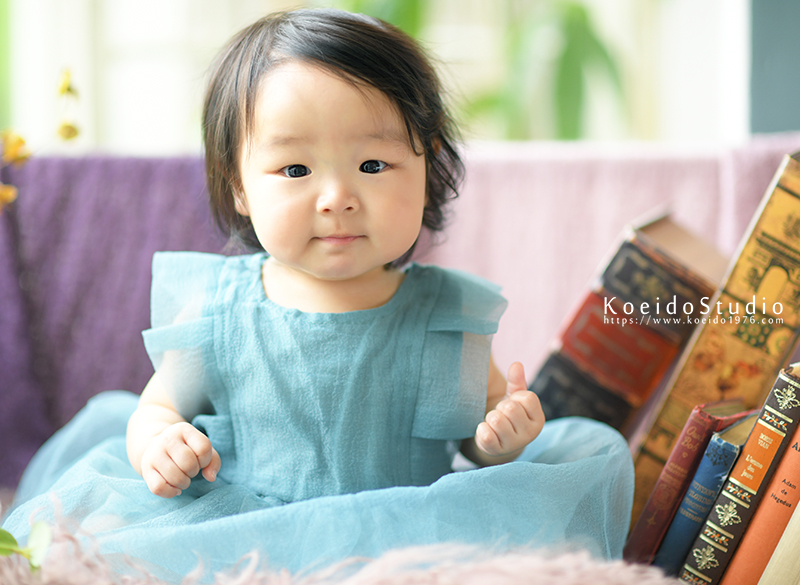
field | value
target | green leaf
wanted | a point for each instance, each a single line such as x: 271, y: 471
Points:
x: 481, y: 104
x: 408, y: 15
x: 8, y: 544
x: 582, y: 50
x: 38, y: 542
x: 569, y: 95
x: 596, y: 51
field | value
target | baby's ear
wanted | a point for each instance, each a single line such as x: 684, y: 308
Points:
x: 240, y: 204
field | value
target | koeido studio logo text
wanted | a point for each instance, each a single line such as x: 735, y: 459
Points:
x: 672, y: 312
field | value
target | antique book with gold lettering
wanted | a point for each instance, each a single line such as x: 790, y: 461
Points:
x: 747, y: 330
x: 742, y: 492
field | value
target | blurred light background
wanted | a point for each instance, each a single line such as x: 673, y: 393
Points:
x: 686, y: 71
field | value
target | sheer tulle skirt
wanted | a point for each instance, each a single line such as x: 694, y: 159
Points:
x: 571, y: 488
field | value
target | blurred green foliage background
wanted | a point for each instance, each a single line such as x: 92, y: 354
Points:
x: 509, y: 104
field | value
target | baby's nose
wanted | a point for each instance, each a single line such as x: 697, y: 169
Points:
x: 337, y: 197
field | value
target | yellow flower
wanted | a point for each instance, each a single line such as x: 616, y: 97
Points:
x: 8, y: 193
x: 67, y: 131
x: 65, y: 85
x: 14, y: 149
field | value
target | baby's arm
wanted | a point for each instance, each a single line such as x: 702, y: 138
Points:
x: 164, y: 448
x: 514, y: 418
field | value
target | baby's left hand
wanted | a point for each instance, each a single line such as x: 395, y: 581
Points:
x: 515, y: 421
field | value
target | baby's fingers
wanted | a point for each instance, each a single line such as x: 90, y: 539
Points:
x: 182, y: 449
x: 163, y: 477
x: 494, y: 433
x: 207, y: 457
x: 486, y: 439
x: 516, y: 379
x: 199, y: 454
x: 530, y: 404
x: 211, y: 470
x: 198, y: 444
x: 525, y: 412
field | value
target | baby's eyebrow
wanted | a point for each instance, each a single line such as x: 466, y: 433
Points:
x: 266, y: 147
x: 382, y: 134
x: 283, y: 141
x: 389, y: 135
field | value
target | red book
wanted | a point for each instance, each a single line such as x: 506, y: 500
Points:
x: 705, y: 420
x: 616, y: 349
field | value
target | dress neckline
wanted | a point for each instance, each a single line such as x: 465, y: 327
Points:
x: 397, y: 299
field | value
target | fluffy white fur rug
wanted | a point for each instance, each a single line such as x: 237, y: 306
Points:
x: 67, y: 563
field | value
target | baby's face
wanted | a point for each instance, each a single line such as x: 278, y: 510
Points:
x: 331, y: 183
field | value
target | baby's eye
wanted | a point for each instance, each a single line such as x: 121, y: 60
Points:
x: 372, y: 166
x: 296, y: 171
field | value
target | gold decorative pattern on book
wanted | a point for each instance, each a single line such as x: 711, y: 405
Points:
x: 769, y: 262
x: 738, y: 493
x: 727, y: 514
x: 689, y: 576
x: 771, y: 419
x: 705, y: 558
x: 715, y: 538
x: 787, y: 398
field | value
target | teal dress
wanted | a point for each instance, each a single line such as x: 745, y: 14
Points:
x: 336, y: 433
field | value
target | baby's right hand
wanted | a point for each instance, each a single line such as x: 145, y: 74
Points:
x: 175, y: 456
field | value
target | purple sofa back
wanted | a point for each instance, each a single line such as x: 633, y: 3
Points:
x: 75, y: 254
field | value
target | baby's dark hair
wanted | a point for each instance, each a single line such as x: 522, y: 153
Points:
x: 358, y: 48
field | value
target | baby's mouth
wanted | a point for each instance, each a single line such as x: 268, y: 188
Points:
x: 339, y: 239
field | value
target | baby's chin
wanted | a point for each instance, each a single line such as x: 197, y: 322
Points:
x: 336, y: 270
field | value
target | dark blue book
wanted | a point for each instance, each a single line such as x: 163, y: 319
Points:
x: 714, y: 468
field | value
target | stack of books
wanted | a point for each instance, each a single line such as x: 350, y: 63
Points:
x: 710, y: 506
x: 739, y: 500
x: 616, y: 347
x: 683, y: 489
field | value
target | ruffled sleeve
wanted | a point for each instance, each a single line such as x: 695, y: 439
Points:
x: 180, y: 343
x: 455, y: 364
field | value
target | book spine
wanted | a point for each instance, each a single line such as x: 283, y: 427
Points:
x: 642, y: 275
x: 616, y: 348
x: 769, y: 521
x: 735, y: 505
x: 747, y: 333
x: 564, y: 391
x: 713, y: 470
x: 647, y: 533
